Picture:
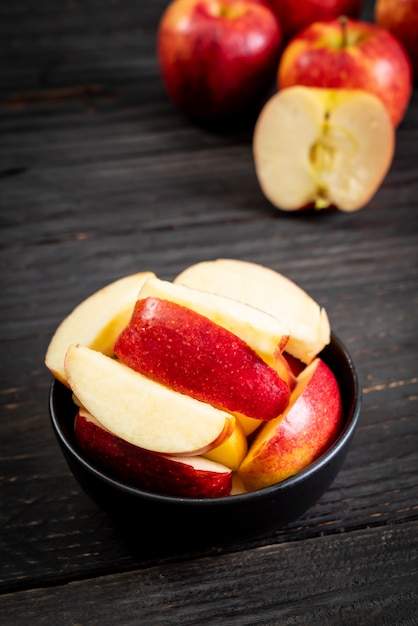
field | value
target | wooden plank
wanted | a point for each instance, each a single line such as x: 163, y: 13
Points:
x: 101, y: 177
x: 327, y: 580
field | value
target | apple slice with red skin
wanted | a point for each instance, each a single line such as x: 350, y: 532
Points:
x: 322, y: 148
x: 185, y: 477
x: 288, y: 444
x: 142, y: 411
x: 266, y: 334
x: 295, y: 365
x: 189, y: 353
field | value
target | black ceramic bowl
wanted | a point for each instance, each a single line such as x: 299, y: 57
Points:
x: 173, y: 519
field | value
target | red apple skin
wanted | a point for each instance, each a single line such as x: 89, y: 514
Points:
x: 295, y: 16
x: 191, y: 354
x: 295, y: 365
x: 371, y: 59
x: 144, y: 469
x: 296, y: 439
x: 217, y: 57
x: 400, y: 18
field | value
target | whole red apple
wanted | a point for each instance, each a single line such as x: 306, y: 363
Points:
x: 217, y: 57
x: 350, y: 54
x: 400, y: 17
x: 295, y: 16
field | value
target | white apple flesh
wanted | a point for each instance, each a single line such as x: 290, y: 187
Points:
x: 271, y: 292
x: 322, y: 148
x: 95, y: 322
x: 142, y: 411
x: 186, y: 477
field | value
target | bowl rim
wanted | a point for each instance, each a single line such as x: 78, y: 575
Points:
x: 352, y: 417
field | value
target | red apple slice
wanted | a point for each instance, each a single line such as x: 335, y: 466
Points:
x: 266, y: 334
x: 186, y: 477
x: 95, y: 322
x: 142, y: 411
x: 271, y: 292
x: 322, y: 147
x: 188, y: 352
x: 307, y: 428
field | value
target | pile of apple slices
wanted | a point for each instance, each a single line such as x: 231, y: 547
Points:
x: 195, y: 392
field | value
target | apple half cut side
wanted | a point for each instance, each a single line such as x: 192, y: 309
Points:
x: 266, y: 334
x: 142, y: 411
x: 188, y: 477
x: 310, y: 424
x: 95, y: 322
x: 322, y: 148
x: 271, y: 292
x: 193, y: 355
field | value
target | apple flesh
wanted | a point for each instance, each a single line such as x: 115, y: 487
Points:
x: 350, y: 54
x: 142, y: 411
x: 231, y: 452
x: 400, y: 18
x: 186, y: 477
x: 310, y: 424
x: 96, y: 322
x: 217, y: 57
x: 322, y: 148
x: 193, y: 355
x: 271, y: 292
x: 295, y: 16
x: 266, y: 334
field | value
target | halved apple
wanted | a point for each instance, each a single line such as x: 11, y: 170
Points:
x: 271, y: 292
x: 193, y: 355
x: 142, y: 411
x: 187, y: 477
x: 266, y: 334
x: 322, y: 147
x: 95, y: 322
x: 289, y: 443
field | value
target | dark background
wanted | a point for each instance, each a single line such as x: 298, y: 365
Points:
x: 101, y: 177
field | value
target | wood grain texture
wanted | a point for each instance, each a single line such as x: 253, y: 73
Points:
x: 100, y: 177
x: 329, y: 580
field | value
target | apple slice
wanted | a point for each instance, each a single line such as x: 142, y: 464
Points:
x: 266, y: 334
x: 189, y: 353
x: 142, y: 411
x: 307, y: 428
x: 322, y: 147
x: 95, y: 322
x: 231, y: 452
x: 186, y: 477
x: 270, y: 291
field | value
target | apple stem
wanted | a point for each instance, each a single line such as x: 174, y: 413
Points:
x: 343, y: 23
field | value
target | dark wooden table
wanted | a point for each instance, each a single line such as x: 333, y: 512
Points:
x: 100, y: 177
